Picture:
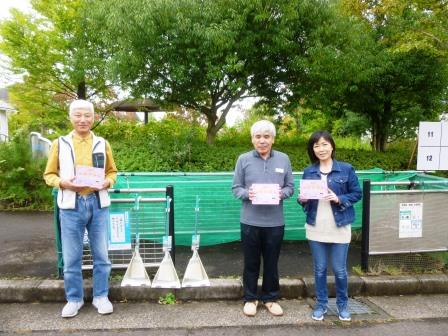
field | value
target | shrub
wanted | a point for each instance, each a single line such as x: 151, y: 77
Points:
x: 21, y: 183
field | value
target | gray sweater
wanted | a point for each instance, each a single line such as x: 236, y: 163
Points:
x: 252, y: 168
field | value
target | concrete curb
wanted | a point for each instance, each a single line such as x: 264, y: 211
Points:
x: 21, y: 291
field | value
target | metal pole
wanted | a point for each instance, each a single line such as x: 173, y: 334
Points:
x: 365, y: 225
x: 170, y: 193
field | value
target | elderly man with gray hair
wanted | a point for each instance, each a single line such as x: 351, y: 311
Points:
x: 83, y: 205
x: 262, y: 180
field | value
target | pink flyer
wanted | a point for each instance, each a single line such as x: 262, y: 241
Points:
x: 266, y: 194
x: 89, y: 176
x: 313, y: 189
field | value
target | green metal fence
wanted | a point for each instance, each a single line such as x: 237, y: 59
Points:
x: 404, y: 224
x: 220, y: 212
x: 147, y: 215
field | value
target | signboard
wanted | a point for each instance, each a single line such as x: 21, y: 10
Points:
x: 119, y: 231
x: 411, y: 215
x: 432, y: 146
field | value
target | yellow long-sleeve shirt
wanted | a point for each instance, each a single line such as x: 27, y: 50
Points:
x: 83, y: 157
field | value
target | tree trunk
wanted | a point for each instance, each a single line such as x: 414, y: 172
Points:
x: 214, y: 124
x: 386, y: 116
x: 297, y: 115
x: 378, y: 135
x: 212, y: 129
x: 380, y: 127
x: 82, y: 90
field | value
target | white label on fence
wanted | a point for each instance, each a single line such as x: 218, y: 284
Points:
x: 195, y: 239
x: 167, y: 243
x: 411, y: 220
x: 119, y: 231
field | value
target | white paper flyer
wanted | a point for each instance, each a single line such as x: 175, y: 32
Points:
x: 411, y: 220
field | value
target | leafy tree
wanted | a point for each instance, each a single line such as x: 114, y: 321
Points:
x: 58, y: 57
x: 205, y: 55
x: 314, y: 55
x: 402, y: 78
x: 420, y: 24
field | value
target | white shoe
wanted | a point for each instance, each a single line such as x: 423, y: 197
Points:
x: 103, y: 305
x: 250, y: 308
x: 274, y: 308
x: 71, y: 308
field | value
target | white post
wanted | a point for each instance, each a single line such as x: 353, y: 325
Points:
x: 3, y: 125
x: 40, y: 146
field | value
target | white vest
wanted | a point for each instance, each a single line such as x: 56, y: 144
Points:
x: 66, y: 197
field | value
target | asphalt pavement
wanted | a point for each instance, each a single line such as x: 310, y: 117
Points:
x: 396, y: 315
x: 27, y: 244
x: 31, y: 297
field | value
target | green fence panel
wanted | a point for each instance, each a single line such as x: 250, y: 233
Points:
x: 220, y: 212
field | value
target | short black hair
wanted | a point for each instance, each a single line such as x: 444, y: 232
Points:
x: 314, y: 138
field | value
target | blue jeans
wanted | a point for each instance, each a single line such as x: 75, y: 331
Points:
x: 87, y: 215
x: 257, y: 242
x: 338, y: 255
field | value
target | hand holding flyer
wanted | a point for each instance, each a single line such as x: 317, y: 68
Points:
x: 266, y: 194
x: 89, y: 177
x: 313, y: 189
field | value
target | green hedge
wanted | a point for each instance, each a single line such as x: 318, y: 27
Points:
x: 170, y: 146
x: 179, y: 146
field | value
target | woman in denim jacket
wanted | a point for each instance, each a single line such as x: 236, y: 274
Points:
x: 328, y: 221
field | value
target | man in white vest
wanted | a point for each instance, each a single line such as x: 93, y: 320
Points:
x: 83, y: 206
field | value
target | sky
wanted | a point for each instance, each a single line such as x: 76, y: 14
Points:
x: 6, y: 78
x: 5, y: 5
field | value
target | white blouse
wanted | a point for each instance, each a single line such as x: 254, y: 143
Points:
x: 325, y: 230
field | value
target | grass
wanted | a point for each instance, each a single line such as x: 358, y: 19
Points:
x: 442, y: 257
x: 414, y: 263
x: 168, y: 299
x: 116, y: 276
x: 379, y: 269
x: 357, y: 270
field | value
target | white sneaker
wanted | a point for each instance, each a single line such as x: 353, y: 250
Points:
x: 71, y: 308
x: 103, y: 305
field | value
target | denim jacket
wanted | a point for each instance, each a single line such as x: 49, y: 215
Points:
x: 343, y: 181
